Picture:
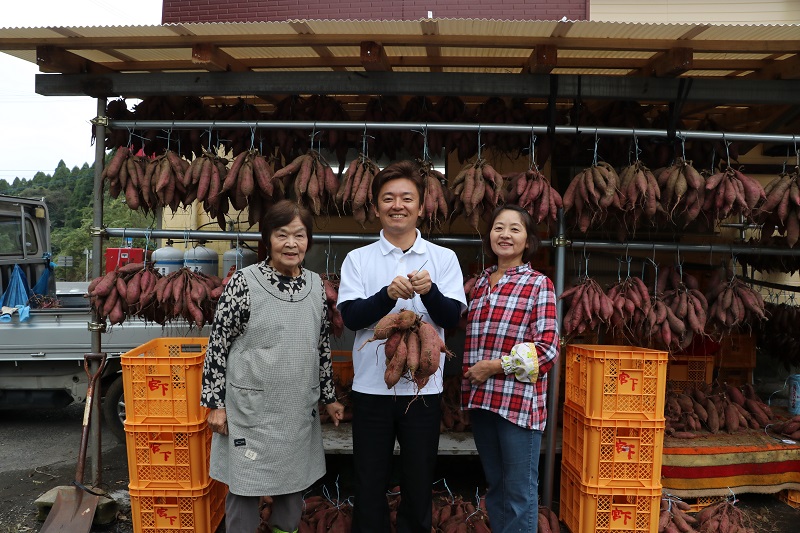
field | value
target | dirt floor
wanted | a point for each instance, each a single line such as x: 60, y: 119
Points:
x: 462, y: 475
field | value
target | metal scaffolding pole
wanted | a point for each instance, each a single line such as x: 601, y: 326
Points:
x: 95, y: 326
x: 537, y: 129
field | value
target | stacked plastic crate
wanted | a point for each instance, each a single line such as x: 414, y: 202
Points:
x: 168, y: 440
x: 613, y: 438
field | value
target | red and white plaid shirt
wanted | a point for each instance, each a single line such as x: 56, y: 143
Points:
x: 521, y: 308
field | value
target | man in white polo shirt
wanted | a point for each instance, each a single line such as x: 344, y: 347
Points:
x: 381, y: 278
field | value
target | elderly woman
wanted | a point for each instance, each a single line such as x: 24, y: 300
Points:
x: 268, y: 365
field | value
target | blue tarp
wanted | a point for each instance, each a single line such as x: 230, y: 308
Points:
x: 18, y: 291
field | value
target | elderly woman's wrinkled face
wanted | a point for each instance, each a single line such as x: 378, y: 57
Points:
x: 288, y: 245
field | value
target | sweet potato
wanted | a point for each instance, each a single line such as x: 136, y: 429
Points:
x: 395, y: 367
x: 413, y: 354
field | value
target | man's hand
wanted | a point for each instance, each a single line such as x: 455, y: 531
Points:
x: 400, y: 287
x: 420, y: 281
x: 218, y: 421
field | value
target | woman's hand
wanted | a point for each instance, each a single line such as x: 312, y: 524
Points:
x: 483, y: 370
x: 218, y: 421
x: 336, y: 412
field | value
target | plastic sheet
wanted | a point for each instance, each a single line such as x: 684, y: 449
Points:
x: 18, y: 291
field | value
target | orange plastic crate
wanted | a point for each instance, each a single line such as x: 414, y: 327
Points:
x: 790, y: 497
x: 162, y: 380
x: 616, y: 382
x: 198, y: 510
x: 342, y: 367
x: 167, y: 456
x: 613, y: 453
x: 701, y: 502
x: 586, y: 508
x: 684, y: 371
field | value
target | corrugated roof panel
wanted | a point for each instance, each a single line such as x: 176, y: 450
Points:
x: 158, y: 54
x: 483, y: 70
x: 751, y: 33
x: 123, y: 31
x: 271, y: 52
x: 604, y: 54
x: 241, y: 28
x: 500, y: 28
x: 368, y: 28
x: 345, y: 51
x: 728, y: 57
x: 410, y: 69
x: 707, y: 73
x: 30, y: 33
x: 98, y: 56
x: 485, y: 52
x: 592, y: 71
x: 625, y: 30
x: 413, y: 51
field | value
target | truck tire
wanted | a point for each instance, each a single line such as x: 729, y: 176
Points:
x: 114, y: 409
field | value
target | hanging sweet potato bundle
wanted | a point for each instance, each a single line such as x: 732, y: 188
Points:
x: 312, y: 181
x: 691, y: 308
x: 640, y: 194
x: 413, y: 348
x: 454, y: 514
x: 675, y: 517
x: 354, y: 193
x: 730, y: 193
x: 478, y: 188
x: 779, y: 336
x: 189, y: 295
x: 661, y: 328
x: 588, y: 307
x: 682, y: 191
x: 165, y: 183
x: 591, y: 192
x: 108, y: 293
x: 435, y: 208
x: 781, y: 208
x: 723, y: 516
x: 630, y: 300
x: 334, y: 315
x: 532, y: 191
x: 733, y: 303
x: 125, y: 175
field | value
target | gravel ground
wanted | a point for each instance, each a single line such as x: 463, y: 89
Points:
x: 38, y: 451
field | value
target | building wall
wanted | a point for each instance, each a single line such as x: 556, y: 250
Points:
x: 692, y: 11
x: 178, y: 11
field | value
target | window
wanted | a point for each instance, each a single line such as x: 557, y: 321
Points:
x: 11, y: 236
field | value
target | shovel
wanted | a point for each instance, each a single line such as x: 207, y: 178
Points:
x: 73, y: 510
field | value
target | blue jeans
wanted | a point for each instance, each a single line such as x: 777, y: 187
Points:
x: 510, y: 458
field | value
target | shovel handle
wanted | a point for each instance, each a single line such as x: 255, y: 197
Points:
x: 87, y: 410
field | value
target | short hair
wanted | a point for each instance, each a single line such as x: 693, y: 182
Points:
x: 407, y: 169
x: 281, y: 214
x: 530, y: 229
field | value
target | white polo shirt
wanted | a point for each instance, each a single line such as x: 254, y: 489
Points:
x: 367, y: 270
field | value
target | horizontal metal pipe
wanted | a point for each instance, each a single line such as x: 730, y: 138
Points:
x: 462, y: 126
x: 342, y: 238
x: 350, y: 238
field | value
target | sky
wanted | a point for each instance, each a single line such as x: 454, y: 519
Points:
x: 36, y: 132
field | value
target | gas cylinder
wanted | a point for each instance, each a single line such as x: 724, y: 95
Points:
x: 238, y: 257
x: 201, y: 259
x: 167, y: 259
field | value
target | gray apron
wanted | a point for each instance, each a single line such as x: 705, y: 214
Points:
x: 274, y: 441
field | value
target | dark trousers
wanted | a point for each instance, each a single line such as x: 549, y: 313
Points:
x: 377, y: 422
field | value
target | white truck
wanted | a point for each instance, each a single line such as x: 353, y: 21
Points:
x: 41, y: 357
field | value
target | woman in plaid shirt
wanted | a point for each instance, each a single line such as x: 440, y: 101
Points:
x: 511, y: 344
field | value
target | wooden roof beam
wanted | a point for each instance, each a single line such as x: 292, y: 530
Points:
x: 785, y: 69
x: 669, y: 63
x: 374, y: 58
x: 542, y: 60
x: 56, y: 59
x: 430, y: 31
x: 213, y: 59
